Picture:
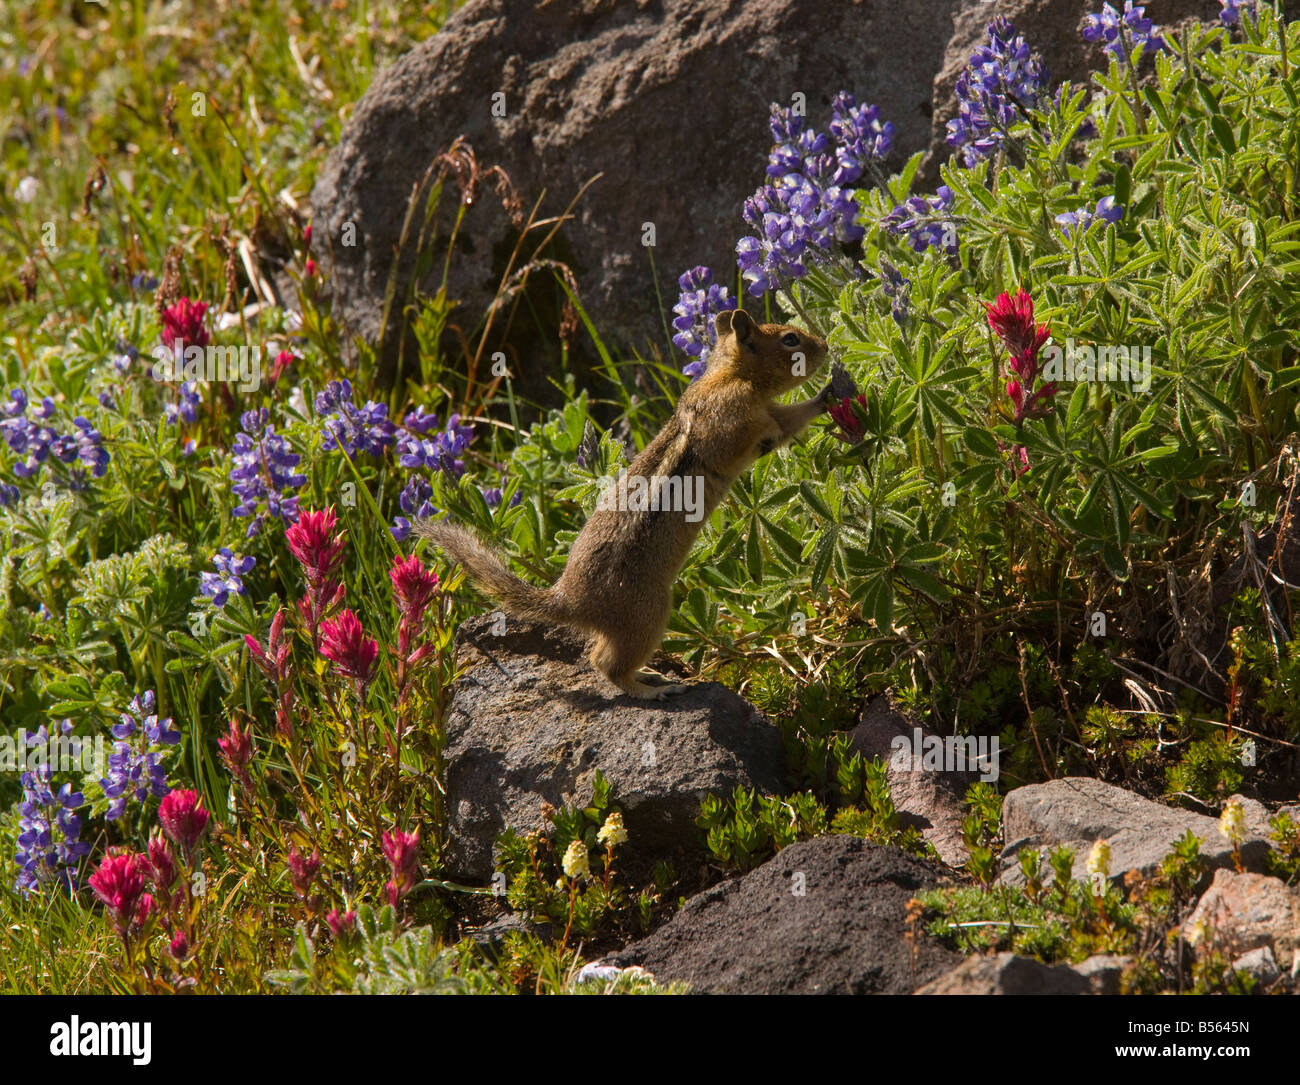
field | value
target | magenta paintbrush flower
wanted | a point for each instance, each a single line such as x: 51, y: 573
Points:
x: 402, y: 851
x: 183, y: 323
x: 183, y: 819
x: 345, y: 643
x: 119, y: 884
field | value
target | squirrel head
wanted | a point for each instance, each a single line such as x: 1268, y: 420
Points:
x: 774, y: 358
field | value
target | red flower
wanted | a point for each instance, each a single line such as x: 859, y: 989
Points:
x: 851, y: 427
x: 144, y: 908
x: 160, y: 866
x: 402, y: 851
x: 303, y: 868
x: 413, y: 585
x: 119, y: 883
x: 309, y: 268
x: 319, y: 552
x: 236, y: 747
x: 341, y: 924
x: 282, y: 361
x: 1012, y: 320
x: 353, y: 653
x: 306, y: 235
x: 310, y: 542
x: 183, y: 322
x: 180, y: 946
x: 182, y: 819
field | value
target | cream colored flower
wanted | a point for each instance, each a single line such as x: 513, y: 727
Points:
x: 1198, y: 932
x: 1232, y: 822
x: 612, y: 832
x: 1099, y: 860
x: 575, y: 860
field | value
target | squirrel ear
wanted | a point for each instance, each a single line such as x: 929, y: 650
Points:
x: 742, y: 324
x: 722, y: 323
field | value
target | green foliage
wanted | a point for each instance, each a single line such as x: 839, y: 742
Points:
x: 748, y: 829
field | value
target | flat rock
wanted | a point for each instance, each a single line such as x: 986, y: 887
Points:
x: 1077, y: 811
x: 1008, y: 974
x: 1244, y: 912
x: 844, y: 934
x: 929, y: 800
x: 668, y: 101
x: 530, y: 721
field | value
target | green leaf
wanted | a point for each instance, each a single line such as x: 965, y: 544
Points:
x: 815, y: 500
x: 1223, y: 133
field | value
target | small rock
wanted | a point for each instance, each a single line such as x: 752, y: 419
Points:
x: 491, y: 937
x: 530, y: 721
x: 1008, y: 974
x: 1103, y: 972
x: 824, y: 916
x: 1259, y: 963
x: 929, y: 800
x: 1242, y: 912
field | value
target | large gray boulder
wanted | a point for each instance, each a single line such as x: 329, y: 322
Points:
x: 667, y: 101
x: 825, y: 916
x: 531, y: 722
x: 1078, y: 811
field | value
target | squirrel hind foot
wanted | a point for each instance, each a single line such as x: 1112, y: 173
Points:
x: 633, y: 687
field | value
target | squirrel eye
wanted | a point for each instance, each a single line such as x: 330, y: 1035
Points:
x: 790, y: 339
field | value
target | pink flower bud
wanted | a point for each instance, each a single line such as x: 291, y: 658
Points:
x: 183, y: 819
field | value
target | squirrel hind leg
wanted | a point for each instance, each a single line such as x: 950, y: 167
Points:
x: 621, y: 662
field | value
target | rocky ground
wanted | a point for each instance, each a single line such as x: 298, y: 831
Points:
x: 531, y: 723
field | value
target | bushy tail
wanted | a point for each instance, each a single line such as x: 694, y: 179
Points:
x: 489, y: 573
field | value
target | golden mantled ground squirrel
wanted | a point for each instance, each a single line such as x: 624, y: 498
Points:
x: 618, y: 582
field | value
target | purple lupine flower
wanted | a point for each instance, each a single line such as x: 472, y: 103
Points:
x: 924, y: 222
x: 135, y: 767
x: 414, y: 501
x: 808, y: 202
x: 186, y: 408
x: 264, y: 467
x: 49, y: 847
x: 438, y: 451
x: 1000, y: 83
x: 39, y: 443
x: 492, y: 495
x: 1081, y: 220
x: 124, y: 357
x: 898, y: 289
x: 589, y: 446
x: 231, y: 569
x: 700, y: 301
x: 353, y: 428
x: 1232, y: 11
x: 862, y: 136
x: 1124, y: 31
